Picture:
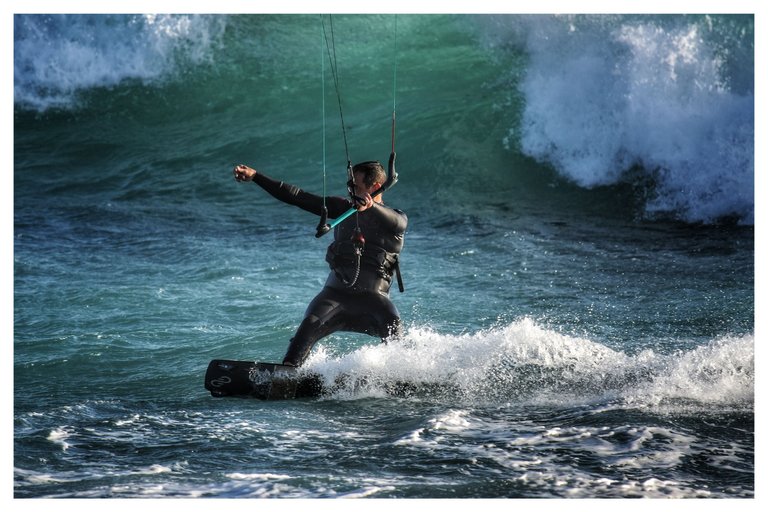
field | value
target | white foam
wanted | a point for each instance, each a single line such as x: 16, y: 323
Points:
x: 59, y: 436
x: 528, y: 363
x: 366, y: 492
x: 257, y: 476
x: 673, y: 95
x: 721, y: 372
x: 451, y: 422
x: 55, y: 56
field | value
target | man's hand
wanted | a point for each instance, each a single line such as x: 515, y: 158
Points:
x: 367, y: 202
x: 243, y: 173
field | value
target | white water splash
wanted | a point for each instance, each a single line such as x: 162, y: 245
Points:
x: 669, y: 97
x: 526, y: 362
x: 55, y: 56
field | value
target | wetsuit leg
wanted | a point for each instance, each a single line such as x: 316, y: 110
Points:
x: 323, y: 317
x: 332, y: 311
x: 386, y: 317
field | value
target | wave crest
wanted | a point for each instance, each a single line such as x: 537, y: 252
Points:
x: 56, y: 56
x: 669, y: 98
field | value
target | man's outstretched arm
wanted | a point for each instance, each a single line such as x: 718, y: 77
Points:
x: 291, y: 194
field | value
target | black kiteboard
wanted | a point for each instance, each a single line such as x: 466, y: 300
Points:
x: 267, y: 381
x: 273, y: 381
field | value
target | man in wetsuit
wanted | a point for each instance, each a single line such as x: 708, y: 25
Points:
x: 363, y: 257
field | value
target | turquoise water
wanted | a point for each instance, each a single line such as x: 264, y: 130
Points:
x: 579, y: 265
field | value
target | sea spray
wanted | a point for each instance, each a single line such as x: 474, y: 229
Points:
x: 669, y: 97
x: 529, y: 363
x: 58, y: 56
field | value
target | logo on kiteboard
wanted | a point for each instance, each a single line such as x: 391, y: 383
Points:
x: 221, y: 381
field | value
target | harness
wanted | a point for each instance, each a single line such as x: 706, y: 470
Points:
x: 345, y: 254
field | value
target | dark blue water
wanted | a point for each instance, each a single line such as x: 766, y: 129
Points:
x: 579, y: 265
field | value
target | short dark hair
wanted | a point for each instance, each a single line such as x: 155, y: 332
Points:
x: 372, y: 172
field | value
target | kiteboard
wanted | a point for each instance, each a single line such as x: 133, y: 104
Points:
x: 267, y: 381
x: 273, y: 381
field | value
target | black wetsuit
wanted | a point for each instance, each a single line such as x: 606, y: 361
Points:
x: 356, y: 294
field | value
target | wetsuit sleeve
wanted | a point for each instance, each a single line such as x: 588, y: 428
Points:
x: 295, y: 196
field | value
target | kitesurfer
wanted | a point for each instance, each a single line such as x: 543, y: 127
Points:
x: 363, y: 257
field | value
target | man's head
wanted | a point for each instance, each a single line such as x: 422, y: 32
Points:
x: 368, y: 174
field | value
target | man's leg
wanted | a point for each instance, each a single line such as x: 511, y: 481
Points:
x: 387, y: 318
x: 320, y: 320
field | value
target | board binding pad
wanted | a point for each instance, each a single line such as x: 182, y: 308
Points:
x: 267, y: 381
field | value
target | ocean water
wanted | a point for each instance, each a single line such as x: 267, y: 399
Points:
x: 579, y: 265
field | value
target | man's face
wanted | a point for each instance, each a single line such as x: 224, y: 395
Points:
x: 360, y: 188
